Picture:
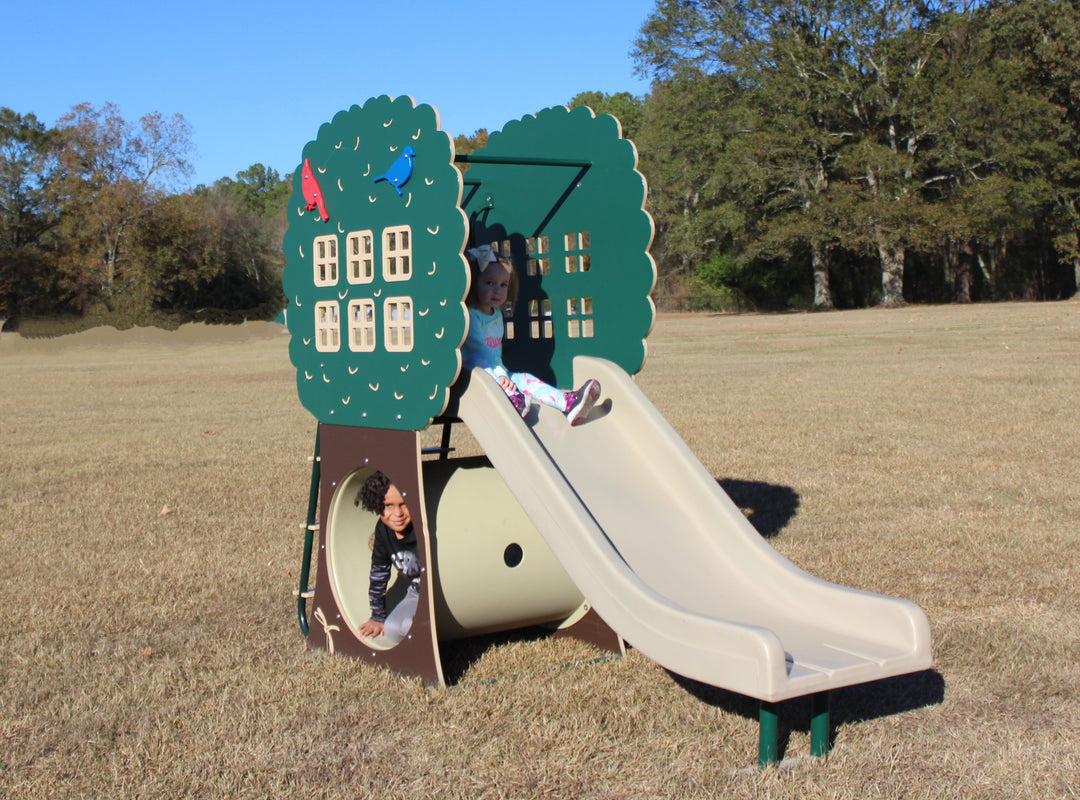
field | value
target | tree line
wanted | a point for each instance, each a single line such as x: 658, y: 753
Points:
x: 856, y: 152
x: 799, y: 153
x: 94, y: 220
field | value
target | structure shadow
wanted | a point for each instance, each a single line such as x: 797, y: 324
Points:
x: 768, y: 507
x: 459, y: 655
x: 850, y: 704
x: 887, y: 697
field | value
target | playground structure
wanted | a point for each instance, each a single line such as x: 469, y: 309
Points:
x: 561, y: 526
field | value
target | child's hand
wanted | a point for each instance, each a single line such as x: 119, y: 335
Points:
x: 506, y: 383
x: 371, y: 629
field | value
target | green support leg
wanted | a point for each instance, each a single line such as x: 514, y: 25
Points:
x: 820, y: 739
x: 309, y: 535
x: 769, y: 736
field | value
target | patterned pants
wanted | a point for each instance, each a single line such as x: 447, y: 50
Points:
x: 537, y: 390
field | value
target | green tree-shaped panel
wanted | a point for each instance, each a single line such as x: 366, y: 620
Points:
x: 574, y: 224
x: 376, y: 290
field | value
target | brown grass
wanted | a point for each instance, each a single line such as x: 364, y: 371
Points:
x: 930, y: 453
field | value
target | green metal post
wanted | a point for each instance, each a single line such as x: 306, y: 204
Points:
x: 820, y: 740
x: 444, y: 443
x: 463, y: 158
x: 769, y: 735
x: 309, y: 536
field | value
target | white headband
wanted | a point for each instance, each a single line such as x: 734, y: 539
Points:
x: 483, y: 255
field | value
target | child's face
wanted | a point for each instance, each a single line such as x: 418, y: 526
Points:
x: 494, y: 284
x: 395, y: 514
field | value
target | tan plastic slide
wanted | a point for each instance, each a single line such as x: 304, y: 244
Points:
x: 670, y: 563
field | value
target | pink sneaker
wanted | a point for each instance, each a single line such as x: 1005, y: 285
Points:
x: 581, y: 401
x: 521, y: 403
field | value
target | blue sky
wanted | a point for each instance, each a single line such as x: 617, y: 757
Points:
x: 255, y: 80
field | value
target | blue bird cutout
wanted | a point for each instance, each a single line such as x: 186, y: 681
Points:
x: 400, y: 171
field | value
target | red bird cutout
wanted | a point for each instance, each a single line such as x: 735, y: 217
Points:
x: 312, y: 193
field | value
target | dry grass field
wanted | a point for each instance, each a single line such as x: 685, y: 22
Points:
x: 151, y: 504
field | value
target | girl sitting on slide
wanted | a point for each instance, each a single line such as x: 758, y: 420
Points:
x: 493, y: 282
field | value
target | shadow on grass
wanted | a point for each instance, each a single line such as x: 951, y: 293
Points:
x: 849, y: 704
x: 768, y: 507
x: 459, y: 655
x: 887, y: 697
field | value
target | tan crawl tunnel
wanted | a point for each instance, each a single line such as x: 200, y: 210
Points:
x: 494, y: 571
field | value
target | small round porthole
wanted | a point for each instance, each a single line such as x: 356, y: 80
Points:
x: 512, y: 555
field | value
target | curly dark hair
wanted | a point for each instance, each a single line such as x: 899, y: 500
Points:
x: 372, y: 495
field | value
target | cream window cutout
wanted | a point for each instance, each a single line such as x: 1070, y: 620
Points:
x: 325, y: 254
x: 327, y: 327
